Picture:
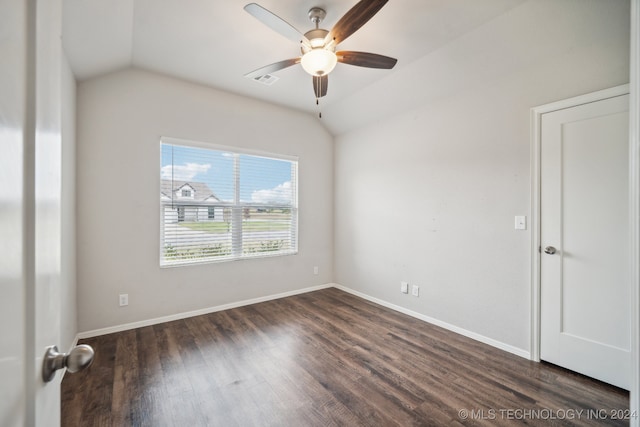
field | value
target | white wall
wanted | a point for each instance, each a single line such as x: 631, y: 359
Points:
x: 429, y: 195
x: 121, y: 118
x: 68, y: 303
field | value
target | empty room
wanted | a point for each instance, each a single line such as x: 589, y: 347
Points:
x: 312, y: 213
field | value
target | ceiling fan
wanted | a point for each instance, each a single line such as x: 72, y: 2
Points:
x: 318, y: 46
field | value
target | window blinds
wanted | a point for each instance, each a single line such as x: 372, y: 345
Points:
x: 223, y: 204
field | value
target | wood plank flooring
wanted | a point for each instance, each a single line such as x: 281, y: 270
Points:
x: 320, y: 359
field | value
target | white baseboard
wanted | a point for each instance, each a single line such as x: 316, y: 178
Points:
x: 178, y: 316
x: 127, y: 326
x: 486, y: 340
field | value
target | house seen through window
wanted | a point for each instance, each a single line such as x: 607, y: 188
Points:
x: 220, y: 203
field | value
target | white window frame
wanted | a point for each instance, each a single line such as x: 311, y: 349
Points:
x: 237, y: 206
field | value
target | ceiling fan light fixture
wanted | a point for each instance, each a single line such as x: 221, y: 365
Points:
x: 319, y: 61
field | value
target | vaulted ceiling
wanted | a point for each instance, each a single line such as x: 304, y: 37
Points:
x: 214, y: 42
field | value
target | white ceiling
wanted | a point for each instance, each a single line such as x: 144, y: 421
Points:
x: 215, y: 42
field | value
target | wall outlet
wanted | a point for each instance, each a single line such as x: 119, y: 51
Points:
x: 124, y: 299
x: 404, y: 287
x: 415, y: 290
x: 315, y: 270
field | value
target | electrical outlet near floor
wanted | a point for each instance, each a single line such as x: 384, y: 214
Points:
x: 415, y: 290
x: 124, y: 300
x: 404, y: 287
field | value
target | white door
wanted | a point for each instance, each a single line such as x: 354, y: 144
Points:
x: 30, y: 173
x: 12, y: 122
x: 585, y: 286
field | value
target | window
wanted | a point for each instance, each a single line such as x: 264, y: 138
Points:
x: 240, y: 204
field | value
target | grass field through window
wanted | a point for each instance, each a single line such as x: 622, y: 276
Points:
x: 216, y: 227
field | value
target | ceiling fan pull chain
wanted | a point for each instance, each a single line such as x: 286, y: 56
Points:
x: 317, y: 83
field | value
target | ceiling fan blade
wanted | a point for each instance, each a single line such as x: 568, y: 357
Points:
x: 276, y: 23
x: 355, y: 18
x: 320, y: 85
x: 272, y: 68
x: 365, y: 59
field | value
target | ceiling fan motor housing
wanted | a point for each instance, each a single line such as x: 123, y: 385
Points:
x: 317, y: 59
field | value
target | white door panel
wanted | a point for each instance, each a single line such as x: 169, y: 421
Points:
x: 12, y: 302
x: 30, y: 177
x: 585, y: 289
x: 48, y: 170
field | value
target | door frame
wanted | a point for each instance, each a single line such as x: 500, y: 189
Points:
x: 536, y: 120
x: 634, y: 202
x: 633, y: 89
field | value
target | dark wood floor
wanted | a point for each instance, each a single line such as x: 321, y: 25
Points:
x: 318, y: 359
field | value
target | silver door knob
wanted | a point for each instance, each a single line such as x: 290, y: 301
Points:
x: 550, y: 250
x: 76, y: 360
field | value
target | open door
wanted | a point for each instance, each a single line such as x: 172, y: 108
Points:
x: 30, y: 209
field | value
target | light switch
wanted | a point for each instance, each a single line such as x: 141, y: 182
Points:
x: 521, y: 222
x: 404, y: 287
